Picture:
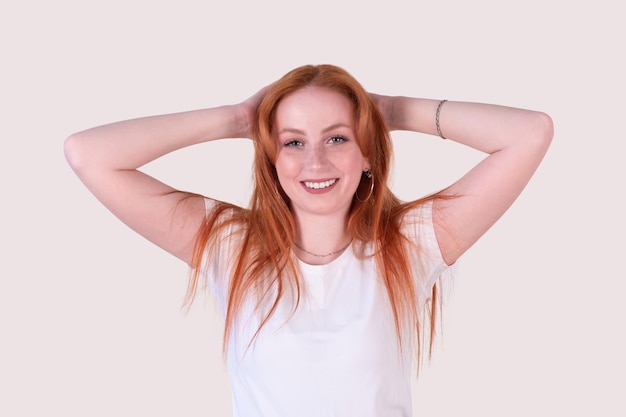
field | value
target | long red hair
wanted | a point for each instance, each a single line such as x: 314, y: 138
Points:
x: 265, y: 262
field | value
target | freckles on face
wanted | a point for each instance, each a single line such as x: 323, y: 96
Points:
x: 319, y: 162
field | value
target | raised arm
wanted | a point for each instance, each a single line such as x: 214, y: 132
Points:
x: 107, y: 160
x: 515, y: 141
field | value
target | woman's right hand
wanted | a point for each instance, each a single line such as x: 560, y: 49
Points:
x: 247, y: 112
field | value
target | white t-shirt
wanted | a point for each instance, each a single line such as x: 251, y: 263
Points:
x: 337, y: 354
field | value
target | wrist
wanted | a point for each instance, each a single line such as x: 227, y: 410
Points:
x: 239, y: 123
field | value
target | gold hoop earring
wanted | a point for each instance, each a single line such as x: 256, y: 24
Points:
x: 368, y: 174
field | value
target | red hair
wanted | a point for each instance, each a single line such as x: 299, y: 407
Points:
x: 265, y: 261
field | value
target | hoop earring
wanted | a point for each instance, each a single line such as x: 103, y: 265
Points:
x: 368, y: 174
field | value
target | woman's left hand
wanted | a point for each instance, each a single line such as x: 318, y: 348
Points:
x: 385, y: 105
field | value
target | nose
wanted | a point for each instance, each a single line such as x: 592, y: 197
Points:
x: 317, y: 156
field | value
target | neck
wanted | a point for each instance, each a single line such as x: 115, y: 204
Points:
x: 320, y: 239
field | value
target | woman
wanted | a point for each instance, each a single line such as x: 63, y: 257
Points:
x: 325, y: 279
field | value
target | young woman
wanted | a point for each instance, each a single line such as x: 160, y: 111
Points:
x: 327, y: 281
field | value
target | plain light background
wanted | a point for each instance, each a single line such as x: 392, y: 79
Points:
x: 90, y: 318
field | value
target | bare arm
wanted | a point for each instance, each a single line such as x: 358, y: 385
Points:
x: 515, y: 141
x: 107, y: 160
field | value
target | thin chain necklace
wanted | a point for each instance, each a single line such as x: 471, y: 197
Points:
x: 322, y: 256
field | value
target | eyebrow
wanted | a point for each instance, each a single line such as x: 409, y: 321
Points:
x: 301, y: 132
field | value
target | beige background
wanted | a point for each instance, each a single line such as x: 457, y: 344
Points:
x: 90, y: 323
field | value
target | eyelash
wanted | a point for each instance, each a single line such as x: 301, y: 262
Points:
x: 297, y: 143
x: 293, y: 143
x: 343, y: 138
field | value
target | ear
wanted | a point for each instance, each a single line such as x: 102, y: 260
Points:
x: 366, y: 164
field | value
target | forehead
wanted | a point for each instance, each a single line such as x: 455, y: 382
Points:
x: 314, y: 104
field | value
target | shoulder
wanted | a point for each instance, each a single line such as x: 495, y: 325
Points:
x: 417, y: 225
x: 223, y: 219
x: 220, y: 240
x: 416, y: 222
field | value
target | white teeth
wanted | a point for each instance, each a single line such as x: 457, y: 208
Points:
x: 317, y: 185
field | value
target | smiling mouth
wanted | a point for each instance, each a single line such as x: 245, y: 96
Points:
x: 319, y: 185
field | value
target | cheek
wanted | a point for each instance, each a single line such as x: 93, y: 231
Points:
x: 285, y: 167
x: 354, y: 162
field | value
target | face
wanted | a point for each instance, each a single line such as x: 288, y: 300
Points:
x: 319, y: 163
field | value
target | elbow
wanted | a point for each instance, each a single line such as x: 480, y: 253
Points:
x: 72, y: 151
x: 542, y: 130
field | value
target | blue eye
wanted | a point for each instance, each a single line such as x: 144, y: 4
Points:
x: 338, y: 139
x: 293, y: 143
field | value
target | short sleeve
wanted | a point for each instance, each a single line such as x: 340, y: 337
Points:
x: 428, y: 265
x: 218, y: 258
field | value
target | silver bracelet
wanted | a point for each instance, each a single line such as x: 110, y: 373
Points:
x: 437, y: 119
